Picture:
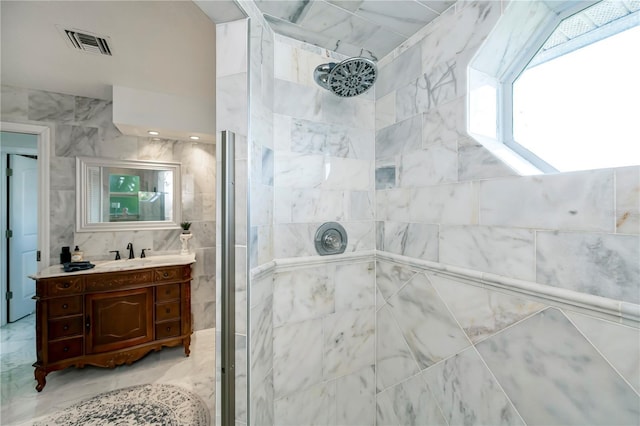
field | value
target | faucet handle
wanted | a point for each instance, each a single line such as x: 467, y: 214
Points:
x: 117, y: 252
x: 143, y: 254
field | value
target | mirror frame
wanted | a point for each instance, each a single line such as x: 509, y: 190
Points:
x: 82, y: 213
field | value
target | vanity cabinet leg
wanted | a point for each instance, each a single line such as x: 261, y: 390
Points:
x: 187, y: 342
x: 40, y: 375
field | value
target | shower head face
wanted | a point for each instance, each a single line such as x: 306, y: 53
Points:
x: 351, y: 77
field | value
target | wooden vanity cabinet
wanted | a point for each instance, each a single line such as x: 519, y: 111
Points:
x: 109, y: 319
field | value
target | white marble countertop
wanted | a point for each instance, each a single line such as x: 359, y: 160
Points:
x: 120, y: 265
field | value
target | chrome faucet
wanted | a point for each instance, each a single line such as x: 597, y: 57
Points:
x: 130, y: 248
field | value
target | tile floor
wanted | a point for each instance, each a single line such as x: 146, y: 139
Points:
x: 21, y: 403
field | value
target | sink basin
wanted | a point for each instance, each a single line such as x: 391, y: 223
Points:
x: 146, y: 262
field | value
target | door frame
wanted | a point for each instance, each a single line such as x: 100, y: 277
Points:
x: 43, y: 134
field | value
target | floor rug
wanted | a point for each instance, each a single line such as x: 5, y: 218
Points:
x: 152, y: 404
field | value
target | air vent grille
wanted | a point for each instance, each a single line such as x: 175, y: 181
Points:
x: 88, y: 42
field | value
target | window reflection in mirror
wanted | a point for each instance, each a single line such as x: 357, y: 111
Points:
x: 117, y: 195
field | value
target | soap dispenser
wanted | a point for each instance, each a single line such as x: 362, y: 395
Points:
x: 77, y: 255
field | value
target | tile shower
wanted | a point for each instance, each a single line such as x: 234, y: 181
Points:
x: 468, y: 294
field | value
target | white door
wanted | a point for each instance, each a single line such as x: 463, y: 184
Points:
x: 23, y: 244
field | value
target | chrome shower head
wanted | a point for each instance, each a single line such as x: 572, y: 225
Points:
x: 351, y: 77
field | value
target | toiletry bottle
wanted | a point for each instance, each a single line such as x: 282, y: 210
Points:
x: 76, y: 256
x: 65, y: 255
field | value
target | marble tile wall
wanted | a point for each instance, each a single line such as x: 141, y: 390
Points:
x: 324, y: 158
x: 442, y: 197
x: 232, y: 113
x: 324, y: 344
x: 449, y: 352
x: 84, y: 127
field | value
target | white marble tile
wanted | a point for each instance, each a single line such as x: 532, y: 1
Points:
x: 386, y: 111
x: 282, y: 125
x: 231, y: 51
x: 554, y: 376
x: 391, y: 277
x: 386, y: 177
x: 381, y: 43
x: 62, y: 173
x: 444, y: 204
x: 429, y: 329
x: 314, y: 406
x: 295, y: 64
x: 49, y: 106
x: 411, y: 239
x: 628, y: 200
x: 408, y: 403
x: 402, y: 137
x: 502, y: 251
x: 354, y: 286
x: 481, y: 312
x: 296, y: 100
x: 445, y: 123
x: 14, y: 102
x: 394, y: 361
x: 294, y: 170
x: 402, y: 70
x: 71, y: 141
x: 360, y: 205
x: 361, y: 235
x: 477, y: 162
x: 261, y: 211
x: 404, y: 18
x: 262, y: 410
x: 619, y: 344
x: 355, y: 398
x: 241, y: 378
x: 433, y: 88
x: 261, y: 335
x: 310, y: 137
x: 232, y: 103
x: 571, y: 201
x: 468, y: 393
x: 348, y: 342
x: 303, y: 294
x: 357, y: 112
x: 325, y: 18
x: 396, y: 204
x: 297, y: 358
x: 435, y: 164
x: 294, y: 240
x: 601, y: 264
x: 347, y: 174
x: 459, y: 31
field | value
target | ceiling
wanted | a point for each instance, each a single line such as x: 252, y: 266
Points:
x: 168, y: 46
x: 160, y: 46
x: 370, y: 28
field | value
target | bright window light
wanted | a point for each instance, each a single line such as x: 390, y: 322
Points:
x: 580, y: 110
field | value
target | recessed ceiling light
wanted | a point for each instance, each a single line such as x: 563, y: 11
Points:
x: 194, y: 138
x: 153, y: 133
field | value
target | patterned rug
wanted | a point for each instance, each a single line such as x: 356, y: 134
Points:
x: 153, y: 404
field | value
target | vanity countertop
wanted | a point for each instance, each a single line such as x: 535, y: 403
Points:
x: 120, y: 265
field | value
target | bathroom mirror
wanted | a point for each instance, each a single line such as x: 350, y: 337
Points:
x: 121, y: 195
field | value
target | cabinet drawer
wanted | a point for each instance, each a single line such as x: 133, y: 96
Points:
x: 65, y: 306
x: 168, y: 274
x: 167, y: 329
x: 63, y: 349
x: 167, y: 292
x: 65, y: 327
x: 118, y: 280
x: 61, y: 286
x: 168, y: 311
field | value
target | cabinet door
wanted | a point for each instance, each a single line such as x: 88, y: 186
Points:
x: 119, y: 319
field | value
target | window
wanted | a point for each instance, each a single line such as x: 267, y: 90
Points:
x: 568, y: 97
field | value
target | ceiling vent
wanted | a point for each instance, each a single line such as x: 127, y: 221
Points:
x: 86, y: 41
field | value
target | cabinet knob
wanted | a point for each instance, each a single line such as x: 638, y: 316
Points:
x: 65, y: 306
x: 66, y: 327
x: 166, y: 274
x: 167, y: 310
x: 168, y: 328
x: 66, y: 349
x: 66, y: 285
